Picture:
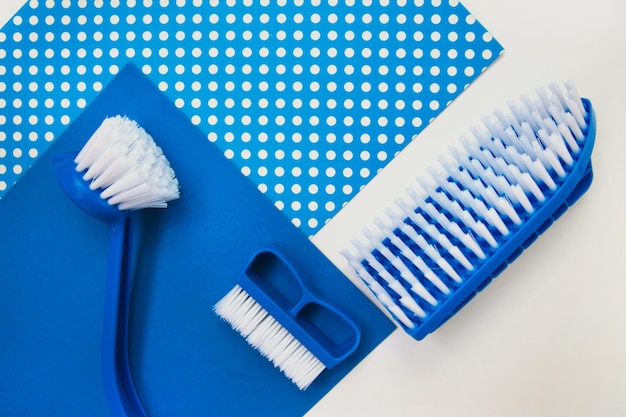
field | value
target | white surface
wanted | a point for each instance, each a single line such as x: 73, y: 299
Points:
x: 548, y: 336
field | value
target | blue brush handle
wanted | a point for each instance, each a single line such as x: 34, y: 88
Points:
x: 325, y: 330
x: 118, y: 380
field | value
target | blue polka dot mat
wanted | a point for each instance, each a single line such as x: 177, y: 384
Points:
x: 309, y: 98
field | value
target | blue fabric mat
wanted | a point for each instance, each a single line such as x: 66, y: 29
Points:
x: 186, y: 361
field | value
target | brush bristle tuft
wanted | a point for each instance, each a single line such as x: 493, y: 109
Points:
x: 267, y: 336
x: 123, y: 161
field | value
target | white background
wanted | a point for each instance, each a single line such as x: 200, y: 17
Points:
x: 548, y: 336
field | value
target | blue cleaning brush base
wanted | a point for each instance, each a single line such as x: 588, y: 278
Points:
x: 569, y: 192
x: 519, y: 172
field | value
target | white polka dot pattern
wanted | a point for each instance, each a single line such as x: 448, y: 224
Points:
x: 309, y: 98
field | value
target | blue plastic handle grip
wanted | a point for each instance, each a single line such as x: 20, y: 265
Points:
x: 118, y: 381
x: 325, y: 330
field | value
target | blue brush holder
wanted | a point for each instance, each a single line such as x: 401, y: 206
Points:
x: 325, y: 330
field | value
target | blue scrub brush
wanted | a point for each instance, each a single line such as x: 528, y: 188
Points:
x: 272, y: 308
x: 119, y: 170
x: 445, y: 240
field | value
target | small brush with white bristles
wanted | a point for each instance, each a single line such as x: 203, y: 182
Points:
x: 286, y: 326
x: 459, y: 227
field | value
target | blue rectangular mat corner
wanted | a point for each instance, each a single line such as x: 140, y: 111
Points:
x: 186, y: 361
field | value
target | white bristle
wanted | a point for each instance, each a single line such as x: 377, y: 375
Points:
x: 539, y: 113
x: 468, y: 220
x: 558, y: 96
x: 576, y: 126
x: 379, y: 292
x: 418, y: 262
x: 416, y: 286
x: 528, y: 183
x: 269, y: 337
x: 389, y: 302
x: 402, y: 294
x: 575, y: 119
x: 473, y: 225
x: 522, y: 198
x: 541, y: 171
x: 557, y: 143
x: 543, y: 97
x: 429, y: 274
x: 552, y: 161
x: 458, y: 156
x: 490, y: 215
x: 502, y: 173
x: 569, y: 138
x: 574, y: 97
x: 527, y: 138
x: 556, y: 112
x: 123, y: 160
x: 431, y: 252
x: 404, y: 297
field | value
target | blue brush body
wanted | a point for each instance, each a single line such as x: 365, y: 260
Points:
x: 274, y: 310
x: 518, y: 174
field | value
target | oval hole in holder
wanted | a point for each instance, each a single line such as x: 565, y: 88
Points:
x: 330, y: 329
x: 275, y: 279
